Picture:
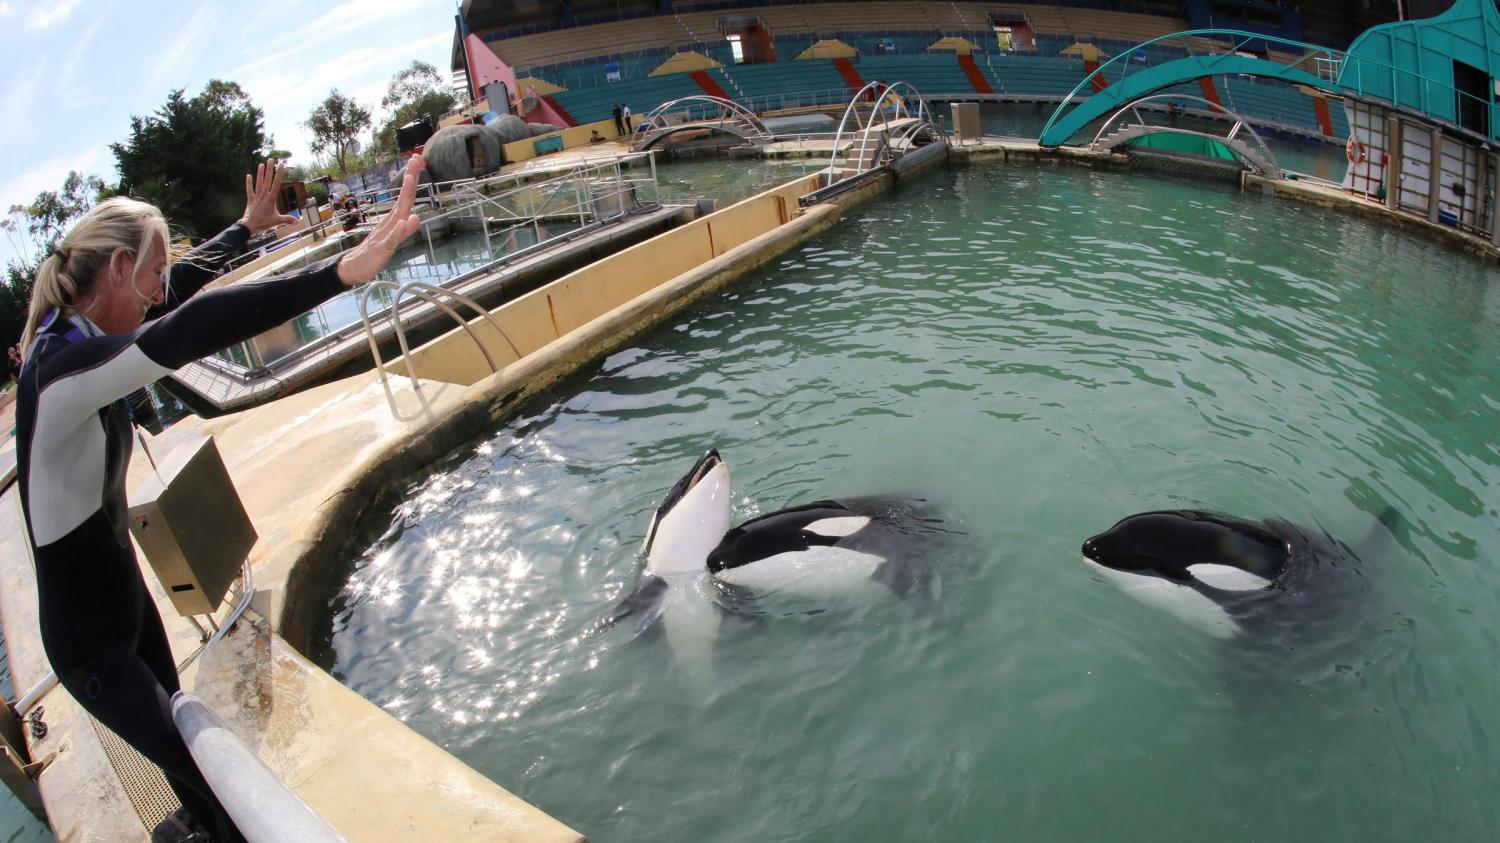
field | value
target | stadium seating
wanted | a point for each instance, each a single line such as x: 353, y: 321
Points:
x: 892, y: 40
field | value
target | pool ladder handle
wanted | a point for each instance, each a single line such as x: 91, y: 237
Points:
x: 428, y: 292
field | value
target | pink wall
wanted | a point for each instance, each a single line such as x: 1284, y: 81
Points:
x: 486, y: 67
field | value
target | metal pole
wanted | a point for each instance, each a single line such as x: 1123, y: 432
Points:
x: 1495, y: 200
x: 1393, y: 164
x: 1434, y: 173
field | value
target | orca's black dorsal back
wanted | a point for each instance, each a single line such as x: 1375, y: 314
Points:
x: 769, y: 535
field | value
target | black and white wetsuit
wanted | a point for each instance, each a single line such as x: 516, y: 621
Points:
x: 100, y: 627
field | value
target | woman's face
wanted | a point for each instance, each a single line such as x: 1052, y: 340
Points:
x: 128, y: 292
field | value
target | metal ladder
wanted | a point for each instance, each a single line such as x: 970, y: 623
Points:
x: 430, y: 293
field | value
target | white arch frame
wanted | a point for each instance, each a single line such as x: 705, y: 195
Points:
x: 729, y: 112
x: 881, y: 120
x: 1263, y: 161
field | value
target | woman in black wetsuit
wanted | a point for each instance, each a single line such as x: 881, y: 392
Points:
x: 86, y: 348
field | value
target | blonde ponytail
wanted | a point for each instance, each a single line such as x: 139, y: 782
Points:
x: 67, y: 275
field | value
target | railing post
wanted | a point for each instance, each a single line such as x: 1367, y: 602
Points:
x: 1495, y: 199
x: 1393, y: 162
x: 1434, y: 174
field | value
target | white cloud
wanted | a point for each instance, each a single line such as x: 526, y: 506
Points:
x: 288, y: 95
x: 73, y: 92
x: 20, y: 105
x: 351, y: 15
x: 6, y: 9
x: 183, y: 48
x: 44, y: 14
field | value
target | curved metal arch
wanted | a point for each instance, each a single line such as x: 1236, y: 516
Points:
x: 1128, y: 88
x: 653, y: 138
x: 905, y: 136
x: 729, y: 112
x: 899, y: 111
x: 1263, y: 160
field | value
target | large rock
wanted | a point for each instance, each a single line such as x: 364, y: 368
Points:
x: 542, y: 128
x: 510, y: 128
x: 463, y: 152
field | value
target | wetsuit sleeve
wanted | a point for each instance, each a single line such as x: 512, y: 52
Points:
x: 91, y: 373
x: 189, y: 273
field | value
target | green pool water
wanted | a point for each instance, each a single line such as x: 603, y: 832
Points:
x: 1040, y: 351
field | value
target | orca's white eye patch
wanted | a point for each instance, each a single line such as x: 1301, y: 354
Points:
x: 835, y: 528
x: 1227, y: 578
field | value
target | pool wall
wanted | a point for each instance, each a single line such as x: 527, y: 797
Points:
x: 572, y: 302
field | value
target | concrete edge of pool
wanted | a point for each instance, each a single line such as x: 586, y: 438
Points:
x: 307, y: 467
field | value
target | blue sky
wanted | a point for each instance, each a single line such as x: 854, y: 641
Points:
x: 74, y: 71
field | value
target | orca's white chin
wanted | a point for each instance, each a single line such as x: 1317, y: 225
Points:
x: 1180, y: 601
x: 682, y: 537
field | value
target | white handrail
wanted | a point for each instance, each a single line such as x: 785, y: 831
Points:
x: 263, y: 808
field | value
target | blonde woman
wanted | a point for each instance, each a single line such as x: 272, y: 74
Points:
x: 109, y: 314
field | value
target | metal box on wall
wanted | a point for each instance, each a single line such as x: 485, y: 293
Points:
x: 966, y: 122
x: 192, y: 527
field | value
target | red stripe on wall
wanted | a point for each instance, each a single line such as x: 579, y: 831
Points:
x: 851, y: 76
x: 561, y: 112
x: 976, y: 79
x: 1210, y: 93
x: 708, y: 85
x: 1325, y: 120
x: 1099, y: 83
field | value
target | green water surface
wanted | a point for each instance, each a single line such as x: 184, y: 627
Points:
x: 1041, y: 351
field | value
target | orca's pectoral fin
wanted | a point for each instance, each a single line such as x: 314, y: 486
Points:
x: 911, y: 578
x: 644, y: 604
x: 739, y: 602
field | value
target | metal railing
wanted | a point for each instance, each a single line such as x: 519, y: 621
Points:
x: 583, y: 195
x: 874, y: 141
x: 587, y: 190
x: 762, y: 103
x: 1258, y: 155
x: 701, y: 111
x: 429, y: 293
x: 264, y: 809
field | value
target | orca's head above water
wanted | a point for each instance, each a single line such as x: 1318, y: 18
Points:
x: 691, y: 520
x: 1170, y: 544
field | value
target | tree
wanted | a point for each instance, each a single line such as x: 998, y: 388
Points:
x: 34, y: 230
x: 413, y: 93
x: 191, y: 156
x: 335, y: 124
x: 48, y: 215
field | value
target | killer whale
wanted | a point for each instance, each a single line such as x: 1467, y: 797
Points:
x: 1223, y: 573
x: 696, y: 567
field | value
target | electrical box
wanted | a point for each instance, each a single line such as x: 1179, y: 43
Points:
x: 190, y: 523
x: 966, y: 122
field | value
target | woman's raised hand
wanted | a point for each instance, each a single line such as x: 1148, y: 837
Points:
x: 362, y: 262
x: 260, y: 198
